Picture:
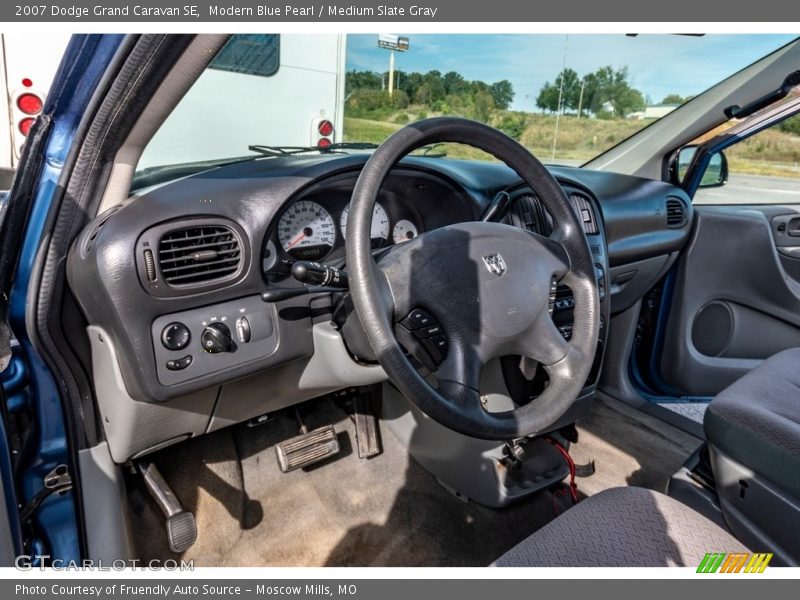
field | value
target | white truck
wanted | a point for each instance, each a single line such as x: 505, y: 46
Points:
x: 288, y: 88
x: 28, y: 64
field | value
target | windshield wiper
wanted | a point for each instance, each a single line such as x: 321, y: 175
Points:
x: 432, y: 150
x: 290, y: 150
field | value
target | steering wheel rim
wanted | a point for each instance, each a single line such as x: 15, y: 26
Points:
x: 493, y: 320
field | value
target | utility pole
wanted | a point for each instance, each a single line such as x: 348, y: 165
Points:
x: 391, y: 72
x: 560, y: 94
x: 580, y: 98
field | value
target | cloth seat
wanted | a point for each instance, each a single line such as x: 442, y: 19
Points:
x: 756, y: 420
x: 623, y: 527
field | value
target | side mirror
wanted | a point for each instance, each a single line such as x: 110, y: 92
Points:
x: 716, y: 173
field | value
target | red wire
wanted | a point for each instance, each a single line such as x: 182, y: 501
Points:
x: 573, y: 487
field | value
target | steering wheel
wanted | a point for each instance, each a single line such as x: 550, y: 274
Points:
x: 486, y: 284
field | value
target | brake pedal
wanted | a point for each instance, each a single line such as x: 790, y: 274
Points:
x: 181, y: 525
x: 307, y: 448
x: 365, y: 417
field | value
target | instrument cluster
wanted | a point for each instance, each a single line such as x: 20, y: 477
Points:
x: 314, y: 230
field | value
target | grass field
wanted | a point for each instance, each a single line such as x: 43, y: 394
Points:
x: 771, y: 152
x: 578, y: 139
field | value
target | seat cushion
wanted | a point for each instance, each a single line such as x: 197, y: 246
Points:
x: 623, y: 527
x: 756, y: 420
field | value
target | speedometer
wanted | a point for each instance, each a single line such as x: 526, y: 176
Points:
x: 379, y: 230
x: 306, y: 231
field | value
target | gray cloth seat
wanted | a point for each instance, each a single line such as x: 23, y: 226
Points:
x: 623, y: 527
x: 756, y: 420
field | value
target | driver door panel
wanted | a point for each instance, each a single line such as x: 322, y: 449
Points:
x: 736, y: 298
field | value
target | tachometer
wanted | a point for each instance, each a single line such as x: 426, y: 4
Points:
x: 306, y: 231
x: 403, y: 231
x: 379, y: 231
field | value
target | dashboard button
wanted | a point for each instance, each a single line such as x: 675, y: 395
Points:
x: 243, y: 332
x: 179, y: 364
x: 175, y: 336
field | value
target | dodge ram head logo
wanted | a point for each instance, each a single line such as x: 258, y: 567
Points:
x: 495, y: 264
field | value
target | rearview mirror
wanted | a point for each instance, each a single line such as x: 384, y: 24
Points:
x: 716, y: 173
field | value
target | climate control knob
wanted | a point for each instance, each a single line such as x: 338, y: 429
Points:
x: 217, y: 338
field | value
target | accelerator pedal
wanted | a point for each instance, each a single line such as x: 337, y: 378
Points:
x: 307, y: 449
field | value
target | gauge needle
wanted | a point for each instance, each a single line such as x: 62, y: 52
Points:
x: 297, y: 239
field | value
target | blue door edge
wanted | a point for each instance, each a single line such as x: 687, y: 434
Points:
x: 55, y: 522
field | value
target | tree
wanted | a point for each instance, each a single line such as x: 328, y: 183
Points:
x: 410, y: 83
x: 607, y: 86
x: 502, y: 93
x: 454, y: 83
x: 548, y: 97
x: 484, y: 104
x: 513, y: 124
x: 361, y: 80
x: 448, y: 93
x: 432, y: 88
x: 568, y: 84
x: 673, y: 99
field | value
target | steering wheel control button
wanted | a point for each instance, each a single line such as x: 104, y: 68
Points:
x: 436, y: 347
x: 243, y: 332
x: 423, y: 338
x: 551, y: 297
x: 216, y: 338
x: 428, y: 331
x: 417, y: 319
x: 179, y: 364
x: 175, y: 336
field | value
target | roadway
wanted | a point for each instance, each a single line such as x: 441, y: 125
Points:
x: 753, y: 189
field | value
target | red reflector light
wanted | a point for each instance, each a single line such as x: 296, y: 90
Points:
x: 25, y: 125
x: 30, y: 104
x: 325, y: 128
x: 27, y: 82
x: 324, y: 143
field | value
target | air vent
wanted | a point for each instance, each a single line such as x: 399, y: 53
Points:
x: 199, y: 255
x: 676, y: 213
x: 583, y: 208
x: 528, y: 213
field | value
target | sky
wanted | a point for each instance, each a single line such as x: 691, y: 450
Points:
x: 658, y: 65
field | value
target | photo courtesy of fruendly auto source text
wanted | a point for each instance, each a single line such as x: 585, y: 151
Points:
x: 416, y: 299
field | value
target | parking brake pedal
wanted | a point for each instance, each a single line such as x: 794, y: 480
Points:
x: 307, y: 448
x: 181, y: 526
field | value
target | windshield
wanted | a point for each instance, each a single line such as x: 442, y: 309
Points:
x: 567, y: 98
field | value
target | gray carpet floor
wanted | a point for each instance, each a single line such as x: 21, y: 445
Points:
x: 383, y: 511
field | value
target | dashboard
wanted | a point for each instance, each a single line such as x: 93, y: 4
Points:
x: 313, y: 226
x: 172, y: 278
